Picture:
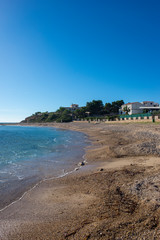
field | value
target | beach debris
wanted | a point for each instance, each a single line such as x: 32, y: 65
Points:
x: 81, y: 163
x: 101, y: 169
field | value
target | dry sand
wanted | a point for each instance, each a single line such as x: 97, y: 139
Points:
x: 115, y: 196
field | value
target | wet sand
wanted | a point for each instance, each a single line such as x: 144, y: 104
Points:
x: 115, y: 196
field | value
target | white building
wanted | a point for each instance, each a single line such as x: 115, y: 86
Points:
x: 139, y: 107
x: 73, y: 107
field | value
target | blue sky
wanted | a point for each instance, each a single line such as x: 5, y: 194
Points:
x: 58, y: 52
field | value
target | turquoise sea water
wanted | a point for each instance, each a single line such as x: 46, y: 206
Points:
x: 29, y: 154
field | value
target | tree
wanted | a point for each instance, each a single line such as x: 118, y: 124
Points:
x: 52, y: 117
x: 95, y: 107
x: 37, y: 113
x: 61, y: 110
x: 80, y: 113
x: 155, y: 112
x: 145, y: 110
x: 66, y: 116
x: 116, y: 106
x: 107, y: 108
x: 126, y: 110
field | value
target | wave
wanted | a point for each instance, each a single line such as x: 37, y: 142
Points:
x: 37, y: 184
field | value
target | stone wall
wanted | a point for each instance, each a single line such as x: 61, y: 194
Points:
x: 129, y: 120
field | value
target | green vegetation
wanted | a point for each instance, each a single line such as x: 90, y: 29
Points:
x: 92, y: 111
x: 126, y: 110
x: 156, y: 113
x: 61, y: 115
x: 64, y: 116
x: 136, y: 115
x: 115, y: 106
x: 80, y: 113
x: 95, y: 107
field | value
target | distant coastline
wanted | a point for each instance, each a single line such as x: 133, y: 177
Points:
x: 9, y: 123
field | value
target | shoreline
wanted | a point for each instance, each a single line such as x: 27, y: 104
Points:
x: 116, y: 188
x: 37, y: 184
x: 30, y: 183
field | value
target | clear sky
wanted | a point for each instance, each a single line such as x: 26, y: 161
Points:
x: 58, y: 52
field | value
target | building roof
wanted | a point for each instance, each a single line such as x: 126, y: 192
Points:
x: 151, y: 107
x: 130, y: 103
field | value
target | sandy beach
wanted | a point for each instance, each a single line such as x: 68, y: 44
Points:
x: 114, y: 196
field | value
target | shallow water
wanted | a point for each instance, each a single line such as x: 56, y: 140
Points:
x: 30, y: 154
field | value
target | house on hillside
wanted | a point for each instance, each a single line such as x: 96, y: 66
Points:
x: 73, y: 107
x: 139, y: 107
